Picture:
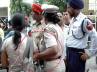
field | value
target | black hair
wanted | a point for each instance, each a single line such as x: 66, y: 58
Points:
x: 18, y: 23
x: 52, y: 17
x: 16, y: 39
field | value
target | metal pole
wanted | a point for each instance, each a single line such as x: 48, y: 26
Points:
x: 95, y: 15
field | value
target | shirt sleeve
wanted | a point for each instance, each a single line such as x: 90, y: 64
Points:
x: 49, y: 39
x: 11, y: 33
x: 93, y: 45
x: 87, y: 23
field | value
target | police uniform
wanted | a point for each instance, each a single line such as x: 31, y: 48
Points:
x: 36, y: 31
x: 38, y: 26
x: 55, y: 64
x: 80, y: 27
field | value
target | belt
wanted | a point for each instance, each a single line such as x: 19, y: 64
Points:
x: 51, y: 59
x: 75, y: 49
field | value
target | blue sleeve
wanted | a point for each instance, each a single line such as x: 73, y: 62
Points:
x: 11, y: 33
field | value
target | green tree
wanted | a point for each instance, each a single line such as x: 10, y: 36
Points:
x: 62, y: 4
x: 42, y: 1
x: 19, y: 6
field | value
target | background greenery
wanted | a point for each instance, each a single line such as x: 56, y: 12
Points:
x: 19, y: 6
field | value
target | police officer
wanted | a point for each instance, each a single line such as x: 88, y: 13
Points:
x: 36, y: 31
x: 38, y: 26
x: 80, y: 28
x: 37, y: 15
x: 61, y: 23
x: 53, y: 41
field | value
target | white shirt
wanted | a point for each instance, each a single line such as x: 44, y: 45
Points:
x: 65, y: 32
x: 15, y: 57
x: 75, y: 29
x: 50, y: 40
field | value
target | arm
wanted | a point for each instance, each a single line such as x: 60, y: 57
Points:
x: 47, y: 54
x: 4, y: 56
x: 93, y: 48
x: 89, y: 29
x: 4, y: 59
x: 51, y: 48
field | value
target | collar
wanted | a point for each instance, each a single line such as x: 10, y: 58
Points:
x: 80, y: 16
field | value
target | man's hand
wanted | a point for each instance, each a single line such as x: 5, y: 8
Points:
x: 84, y: 56
x: 36, y: 56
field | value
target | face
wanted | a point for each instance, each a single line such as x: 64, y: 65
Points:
x: 66, y: 17
x: 60, y: 17
x: 26, y: 20
x: 37, y: 17
x: 71, y: 11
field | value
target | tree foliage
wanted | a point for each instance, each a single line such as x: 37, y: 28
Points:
x: 19, y: 6
x: 60, y: 3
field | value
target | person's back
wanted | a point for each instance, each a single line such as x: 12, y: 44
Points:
x: 15, y: 47
x: 15, y: 57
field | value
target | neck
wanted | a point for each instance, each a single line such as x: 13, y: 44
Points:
x: 62, y: 26
x: 76, y: 14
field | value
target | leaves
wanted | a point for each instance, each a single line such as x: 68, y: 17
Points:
x: 60, y: 3
x: 19, y: 6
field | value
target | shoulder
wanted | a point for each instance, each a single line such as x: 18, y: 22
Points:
x: 82, y: 15
x: 50, y: 28
x: 9, y: 39
x: 6, y: 43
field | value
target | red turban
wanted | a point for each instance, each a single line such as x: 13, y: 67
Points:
x: 37, y: 8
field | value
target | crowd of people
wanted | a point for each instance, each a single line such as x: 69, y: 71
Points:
x: 56, y: 42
